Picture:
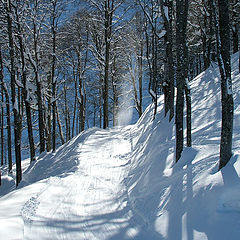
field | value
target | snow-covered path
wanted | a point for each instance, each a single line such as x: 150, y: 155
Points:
x: 89, y: 203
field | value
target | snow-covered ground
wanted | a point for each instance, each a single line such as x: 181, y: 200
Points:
x: 123, y: 183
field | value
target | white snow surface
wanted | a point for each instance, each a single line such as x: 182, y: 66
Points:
x: 123, y: 183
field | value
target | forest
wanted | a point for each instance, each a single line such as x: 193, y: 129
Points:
x: 66, y: 66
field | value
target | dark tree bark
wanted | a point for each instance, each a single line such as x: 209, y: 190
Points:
x: 224, y: 61
x: 1, y: 113
x: 235, y: 36
x: 39, y: 95
x: 35, y: 66
x: 53, y: 77
x: 34, y: 61
x: 140, y: 81
x: 60, y: 126
x: 136, y: 80
x: 150, y: 50
x: 154, y: 67
x: 204, y: 42
x: 75, y: 104
x: 207, y: 33
x: 182, y: 65
x: 115, y: 92
x: 100, y: 107
x: 2, y: 109
x: 9, y: 134
x: 82, y: 96
x: 189, y: 115
x: 107, y: 36
x: 16, y: 110
x: 66, y: 114
x: 48, y: 127
x: 1, y: 133
x: 211, y: 33
x: 169, y: 69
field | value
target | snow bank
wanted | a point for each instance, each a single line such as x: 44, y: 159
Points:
x: 189, y: 199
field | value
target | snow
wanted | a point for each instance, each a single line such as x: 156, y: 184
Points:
x: 166, y: 12
x: 162, y: 34
x: 15, y: 106
x: 123, y: 183
x: 19, y: 84
x: 153, y: 93
x: 229, y: 86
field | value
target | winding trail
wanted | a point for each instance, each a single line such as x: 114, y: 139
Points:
x: 90, y: 203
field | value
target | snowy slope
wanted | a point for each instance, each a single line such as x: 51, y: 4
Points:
x: 122, y: 183
x: 76, y: 193
x: 190, y: 199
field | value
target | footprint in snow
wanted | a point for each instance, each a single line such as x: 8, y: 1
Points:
x: 29, y: 209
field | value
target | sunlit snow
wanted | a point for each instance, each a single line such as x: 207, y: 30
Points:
x: 123, y: 183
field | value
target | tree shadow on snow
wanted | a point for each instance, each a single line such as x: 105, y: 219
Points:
x: 146, y: 175
x: 61, y: 163
x: 181, y: 194
x: 218, y: 205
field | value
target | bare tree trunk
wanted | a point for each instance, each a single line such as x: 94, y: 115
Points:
x: 75, y: 104
x: 154, y: 67
x: 181, y: 14
x: 60, y: 126
x: 169, y: 73
x: 136, y: 100
x: 108, y: 32
x: 69, y: 123
x: 2, y: 109
x: 189, y: 115
x: 1, y: 133
x: 100, y: 108
x: 66, y: 113
x: 138, y: 93
x: 151, y: 54
x: 94, y: 112
x: 77, y: 121
x: 9, y: 134
x: 16, y: 110
x: 81, y: 103
x: 115, y: 106
x: 53, y: 78
x: 115, y: 92
x: 35, y: 66
x: 54, y: 116
x: 236, y: 33
x: 224, y: 62
x: 140, y: 80
x: 211, y: 33
x: 48, y: 125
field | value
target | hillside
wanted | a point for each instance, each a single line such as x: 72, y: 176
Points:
x: 123, y: 183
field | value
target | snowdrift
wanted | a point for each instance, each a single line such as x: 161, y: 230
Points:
x: 123, y: 183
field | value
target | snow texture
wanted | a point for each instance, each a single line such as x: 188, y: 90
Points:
x: 123, y: 183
